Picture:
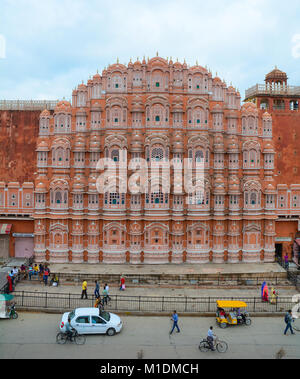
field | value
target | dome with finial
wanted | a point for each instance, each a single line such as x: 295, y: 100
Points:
x: 97, y: 76
x: 63, y: 106
x: 267, y: 115
x: 45, y: 113
x: 276, y: 74
x: 249, y: 108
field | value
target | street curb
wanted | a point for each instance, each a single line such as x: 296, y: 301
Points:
x: 147, y: 314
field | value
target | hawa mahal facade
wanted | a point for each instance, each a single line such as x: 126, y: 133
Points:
x: 147, y: 114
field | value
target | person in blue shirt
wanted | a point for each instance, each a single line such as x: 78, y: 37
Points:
x: 210, y: 338
x: 97, y: 288
x: 175, y: 322
x: 69, y: 329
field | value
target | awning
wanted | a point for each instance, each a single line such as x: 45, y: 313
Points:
x: 5, y: 228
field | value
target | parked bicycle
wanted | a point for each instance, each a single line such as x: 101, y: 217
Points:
x: 221, y: 346
x: 62, y: 338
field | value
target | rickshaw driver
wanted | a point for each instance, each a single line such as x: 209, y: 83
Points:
x: 239, y: 314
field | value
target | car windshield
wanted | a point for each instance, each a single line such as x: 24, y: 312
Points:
x: 104, y: 315
x: 71, y: 315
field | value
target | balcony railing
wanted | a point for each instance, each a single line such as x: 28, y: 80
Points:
x: 32, y: 105
x: 262, y: 89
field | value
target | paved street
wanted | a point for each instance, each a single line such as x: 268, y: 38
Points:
x: 32, y: 335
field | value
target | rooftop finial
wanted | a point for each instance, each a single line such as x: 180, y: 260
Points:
x: 157, y: 53
x: 118, y: 60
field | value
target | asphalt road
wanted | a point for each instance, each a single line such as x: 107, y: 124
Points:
x: 32, y: 335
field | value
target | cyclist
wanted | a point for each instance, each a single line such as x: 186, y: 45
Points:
x: 210, y: 338
x: 69, y: 329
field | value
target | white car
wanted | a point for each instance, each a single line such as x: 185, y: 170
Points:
x: 90, y: 321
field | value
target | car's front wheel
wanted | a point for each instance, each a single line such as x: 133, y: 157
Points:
x: 111, y: 332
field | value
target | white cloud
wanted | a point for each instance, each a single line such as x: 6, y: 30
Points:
x: 54, y: 43
x: 296, y: 46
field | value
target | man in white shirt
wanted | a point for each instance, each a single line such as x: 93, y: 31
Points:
x: 210, y: 338
x: 106, y: 287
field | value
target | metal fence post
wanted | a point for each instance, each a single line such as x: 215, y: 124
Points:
x: 69, y: 301
x: 209, y: 304
x: 22, y: 298
x: 46, y: 300
x: 254, y: 304
x: 185, y: 308
x: 162, y: 305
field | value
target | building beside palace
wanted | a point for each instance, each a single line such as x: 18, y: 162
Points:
x: 247, y: 201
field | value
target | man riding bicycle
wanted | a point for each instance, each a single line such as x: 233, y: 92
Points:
x: 210, y: 338
x: 69, y: 329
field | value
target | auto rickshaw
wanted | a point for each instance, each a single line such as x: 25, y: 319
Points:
x: 7, y: 307
x: 229, y: 313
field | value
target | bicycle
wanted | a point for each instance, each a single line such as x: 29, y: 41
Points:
x: 12, y: 313
x: 62, y: 338
x: 221, y: 346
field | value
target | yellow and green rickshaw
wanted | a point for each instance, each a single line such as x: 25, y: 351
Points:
x: 232, y: 312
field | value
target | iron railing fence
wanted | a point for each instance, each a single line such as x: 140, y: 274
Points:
x: 124, y: 303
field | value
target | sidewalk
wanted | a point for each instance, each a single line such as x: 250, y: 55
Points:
x: 154, y: 290
x: 168, y: 269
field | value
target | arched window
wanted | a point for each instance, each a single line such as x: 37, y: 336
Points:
x: 199, y: 156
x: 157, y: 154
x: 115, y: 156
x: 253, y: 198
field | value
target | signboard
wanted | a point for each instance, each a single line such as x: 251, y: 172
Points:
x: 283, y: 239
x: 298, y: 225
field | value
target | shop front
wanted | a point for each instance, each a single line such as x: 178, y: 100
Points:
x: 4, y: 240
x: 24, y: 245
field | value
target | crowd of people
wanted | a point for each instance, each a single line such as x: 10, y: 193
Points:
x: 41, y: 272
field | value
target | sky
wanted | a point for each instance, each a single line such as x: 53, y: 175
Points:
x: 48, y: 47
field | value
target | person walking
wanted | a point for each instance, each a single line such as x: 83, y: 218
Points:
x: 104, y: 295
x: 175, y: 322
x: 46, y: 276
x: 288, y: 319
x: 97, y: 288
x: 9, y: 281
x: 84, y: 289
x: 107, y: 291
x: 122, y: 283
x: 30, y: 272
x: 274, y: 296
x: 286, y: 261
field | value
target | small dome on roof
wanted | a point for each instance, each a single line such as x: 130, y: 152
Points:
x: 276, y: 74
x: 97, y: 76
x: 45, y: 113
x: 267, y: 115
x: 63, y: 106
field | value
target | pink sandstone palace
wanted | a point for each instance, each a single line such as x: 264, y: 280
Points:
x: 159, y: 111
